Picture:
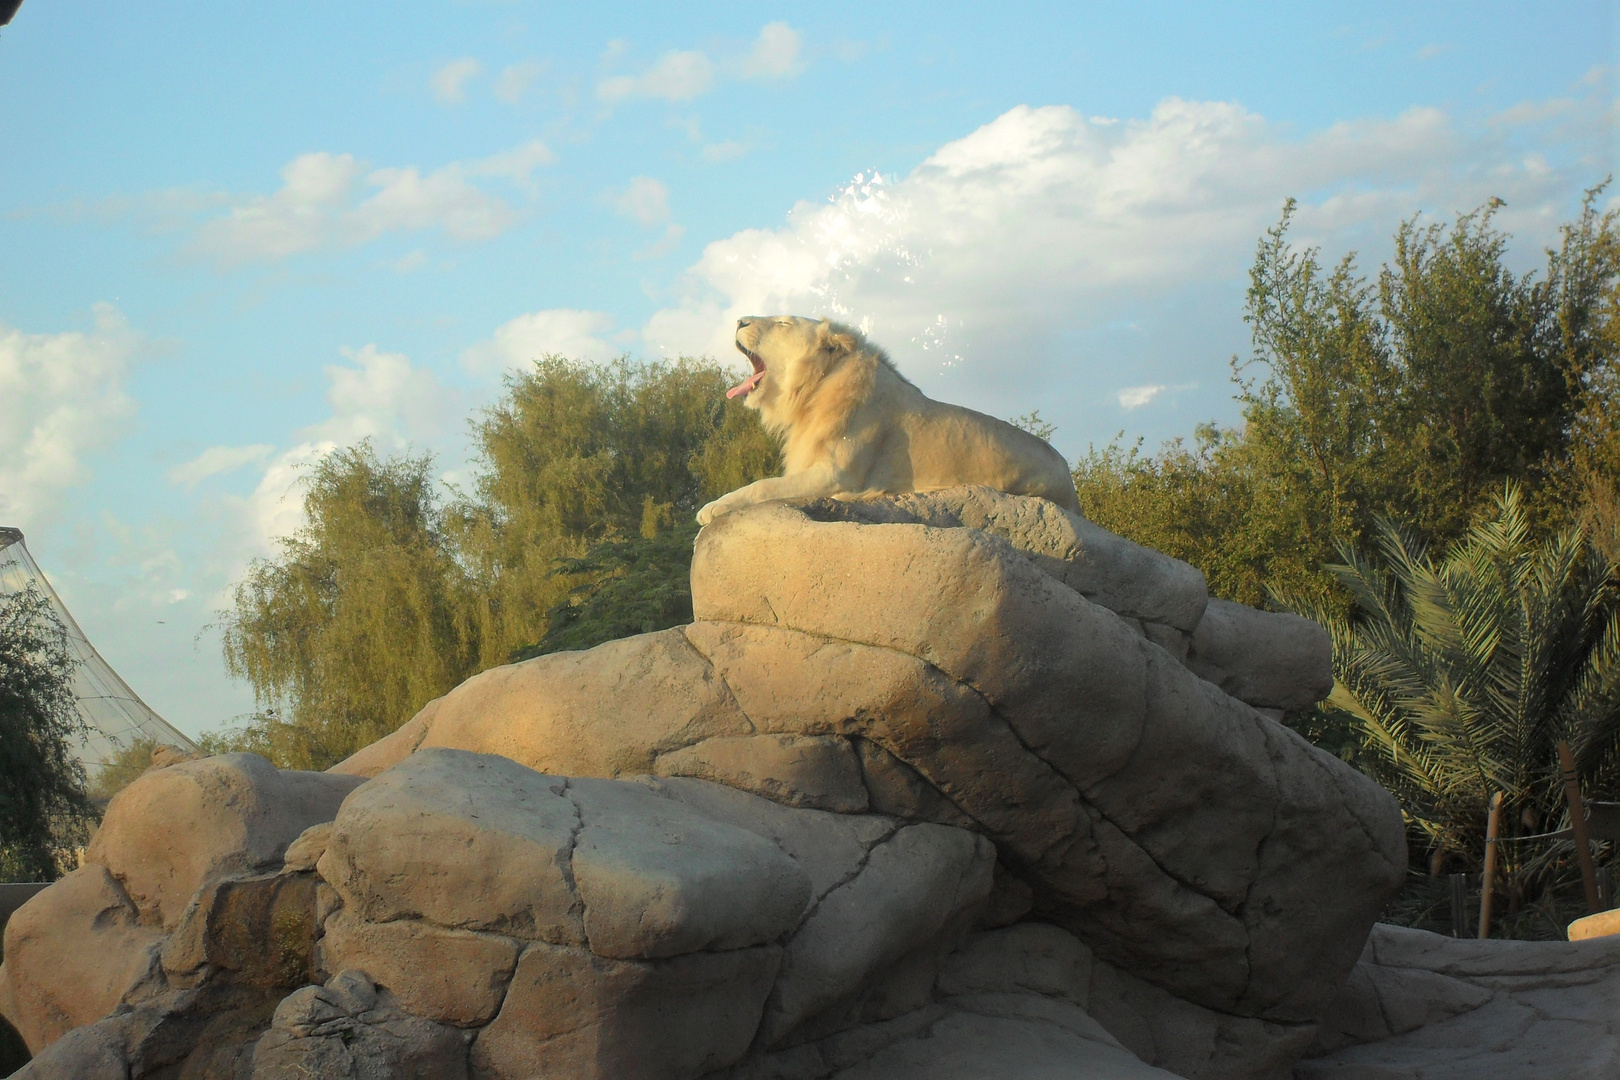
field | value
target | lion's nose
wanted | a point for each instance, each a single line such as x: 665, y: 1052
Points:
x: 742, y: 323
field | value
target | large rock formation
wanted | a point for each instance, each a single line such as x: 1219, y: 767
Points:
x: 946, y: 784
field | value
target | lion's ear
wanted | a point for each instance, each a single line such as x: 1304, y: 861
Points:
x: 839, y: 342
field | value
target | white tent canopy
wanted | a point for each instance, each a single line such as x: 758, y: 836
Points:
x: 114, y: 715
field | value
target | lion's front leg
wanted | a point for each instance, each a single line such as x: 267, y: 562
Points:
x: 812, y: 483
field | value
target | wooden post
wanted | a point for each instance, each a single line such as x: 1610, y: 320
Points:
x: 1493, y: 825
x: 1577, y: 822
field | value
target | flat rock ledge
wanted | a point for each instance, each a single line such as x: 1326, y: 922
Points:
x: 953, y: 784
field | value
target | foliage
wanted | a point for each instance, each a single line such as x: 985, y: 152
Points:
x: 1462, y: 673
x: 363, y: 617
x: 389, y: 596
x: 630, y: 586
x: 125, y: 765
x: 576, y: 454
x: 1414, y: 398
x: 43, y: 807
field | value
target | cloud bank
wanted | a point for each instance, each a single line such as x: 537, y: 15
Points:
x: 1020, y: 260
x: 62, y: 398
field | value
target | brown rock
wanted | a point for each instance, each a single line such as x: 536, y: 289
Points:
x: 1269, y: 659
x: 259, y: 930
x: 469, y: 841
x: 450, y: 976
x: 658, y: 878
x: 72, y: 953
x: 570, y: 1013
x: 913, y: 885
x: 819, y: 771
x: 608, y: 712
x: 238, y: 811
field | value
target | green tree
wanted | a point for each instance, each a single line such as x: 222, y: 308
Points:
x: 1461, y: 673
x: 364, y: 617
x: 576, y: 529
x: 43, y: 806
x: 1412, y: 399
x: 583, y: 469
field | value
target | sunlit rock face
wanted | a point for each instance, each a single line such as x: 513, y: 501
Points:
x: 935, y: 782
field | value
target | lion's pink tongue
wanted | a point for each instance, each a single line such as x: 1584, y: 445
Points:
x: 746, y: 385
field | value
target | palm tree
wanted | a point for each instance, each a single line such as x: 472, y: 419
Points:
x: 1461, y: 674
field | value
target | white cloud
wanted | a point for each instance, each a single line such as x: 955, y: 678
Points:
x: 1043, y: 222
x: 776, y: 53
x: 724, y: 151
x: 575, y: 334
x: 665, y: 244
x: 322, y: 205
x: 515, y: 80
x: 1134, y: 397
x: 516, y: 165
x: 645, y: 200
x: 410, y: 262
x: 216, y: 460
x: 62, y: 398
x: 677, y: 76
x: 449, y: 83
x: 379, y: 396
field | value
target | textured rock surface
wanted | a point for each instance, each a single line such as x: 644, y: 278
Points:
x: 175, y: 828
x: 1419, y: 1006
x: 345, y: 1029
x: 946, y: 784
x: 72, y: 953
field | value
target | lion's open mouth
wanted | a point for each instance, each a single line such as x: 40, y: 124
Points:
x: 752, y: 380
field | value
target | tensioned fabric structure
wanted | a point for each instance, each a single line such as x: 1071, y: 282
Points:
x: 114, y: 715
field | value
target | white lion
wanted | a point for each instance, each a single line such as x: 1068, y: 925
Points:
x: 853, y: 425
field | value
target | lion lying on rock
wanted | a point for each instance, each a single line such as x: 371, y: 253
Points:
x: 854, y: 425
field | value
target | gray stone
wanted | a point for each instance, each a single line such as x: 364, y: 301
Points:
x: 345, y: 1029
x: 912, y: 887
x: 829, y: 848
x: 448, y: 976
x: 1420, y: 1006
x: 468, y: 841
x: 571, y: 1013
x: 1269, y: 659
x: 660, y: 879
x: 1107, y: 569
x: 72, y: 954
x: 968, y: 1045
x: 606, y: 712
x: 175, y: 828
x: 819, y: 771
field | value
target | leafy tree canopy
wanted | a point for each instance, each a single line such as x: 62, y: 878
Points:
x: 43, y: 806
x: 1412, y: 397
x: 575, y: 531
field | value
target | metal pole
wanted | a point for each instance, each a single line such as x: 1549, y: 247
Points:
x: 1577, y: 822
x: 1459, y: 905
x: 1493, y: 824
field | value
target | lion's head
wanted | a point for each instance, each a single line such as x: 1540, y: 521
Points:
x: 790, y: 355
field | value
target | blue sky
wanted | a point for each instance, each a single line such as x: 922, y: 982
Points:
x: 232, y: 237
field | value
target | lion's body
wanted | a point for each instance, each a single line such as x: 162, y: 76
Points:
x: 852, y: 425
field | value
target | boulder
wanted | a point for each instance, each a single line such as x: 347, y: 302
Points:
x: 347, y: 1029
x: 173, y: 829
x: 1272, y: 660
x: 450, y: 976
x: 479, y: 842
x: 72, y: 953
x: 944, y: 784
x: 1422, y: 1005
x: 572, y: 1013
